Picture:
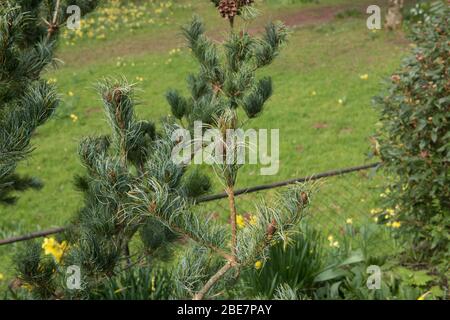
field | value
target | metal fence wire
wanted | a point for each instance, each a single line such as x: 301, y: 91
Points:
x: 341, y: 198
x: 341, y: 205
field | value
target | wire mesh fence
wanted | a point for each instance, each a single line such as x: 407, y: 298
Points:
x: 342, y: 205
x: 341, y: 197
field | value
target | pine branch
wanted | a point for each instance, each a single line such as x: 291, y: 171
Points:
x: 212, y: 281
x: 233, y: 215
x: 196, y: 238
x: 53, y: 25
x: 175, y: 216
x: 273, y: 223
x: 25, y: 102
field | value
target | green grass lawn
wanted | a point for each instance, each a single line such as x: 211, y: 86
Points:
x: 321, y: 65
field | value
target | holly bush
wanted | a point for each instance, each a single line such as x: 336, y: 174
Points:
x: 413, y: 140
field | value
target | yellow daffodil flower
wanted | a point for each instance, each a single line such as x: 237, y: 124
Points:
x: 396, y: 224
x: 74, y: 117
x: 240, y: 222
x: 390, y: 212
x: 375, y: 211
x: 54, y: 248
x: 333, y: 243
x: 364, y: 76
x: 253, y: 220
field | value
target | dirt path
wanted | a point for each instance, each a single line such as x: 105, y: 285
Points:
x: 142, y: 44
x: 315, y: 16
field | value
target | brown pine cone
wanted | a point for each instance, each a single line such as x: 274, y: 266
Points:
x: 271, y: 229
x: 228, y: 8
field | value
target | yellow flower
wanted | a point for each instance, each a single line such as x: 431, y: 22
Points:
x: 340, y: 101
x: 53, y: 247
x: 375, y: 211
x: 1, y: 276
x: 364, y: 76
x: 313, y: 93
x: 396, y: 224
x: 74, y: 117
x: 253, y: 220
x: 79, y: 33
x: 258, y: 265
x: 48, y: 245
x: 349, y: 221
x: 390, y: 212
x: 240, y: 221
x: 333, y: 243
x: 70, y: 93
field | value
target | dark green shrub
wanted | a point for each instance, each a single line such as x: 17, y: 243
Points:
x: 414, y: 139
x: 418, y: 13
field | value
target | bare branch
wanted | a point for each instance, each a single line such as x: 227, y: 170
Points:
x: 213, y: 280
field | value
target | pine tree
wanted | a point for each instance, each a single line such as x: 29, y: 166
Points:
x: 133, y: 185
x: 99, y: 235
x: 28, y: 33
x: 116, y: 164
x: 216, y: 93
